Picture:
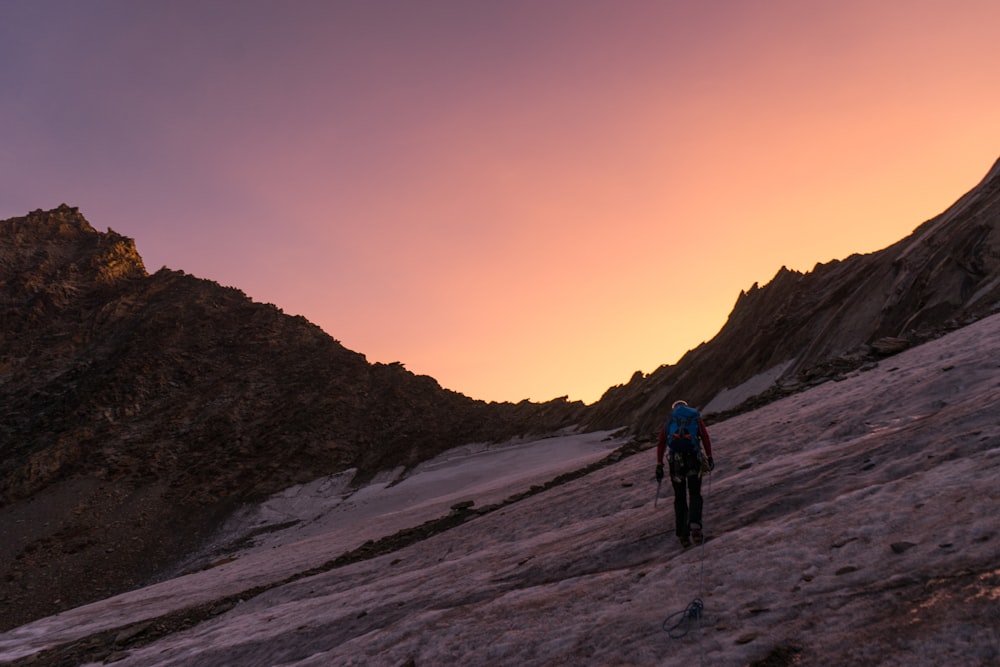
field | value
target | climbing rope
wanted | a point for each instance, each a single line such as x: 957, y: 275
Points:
x: 694, y: 611
x: 690, y: 613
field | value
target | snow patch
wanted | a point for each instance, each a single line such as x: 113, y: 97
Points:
x: 730, y: 398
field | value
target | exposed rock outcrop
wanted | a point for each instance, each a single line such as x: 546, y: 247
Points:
x: 137, y: 410
x: 803, y: 328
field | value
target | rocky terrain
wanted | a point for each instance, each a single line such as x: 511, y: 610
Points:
x: 804, y: 328
x: 842, y: 531
x: 137, y: 410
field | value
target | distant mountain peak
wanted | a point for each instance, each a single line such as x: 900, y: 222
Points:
x: 802, y: 328
x: 64, y: 220
x: 61, y: 249
x: 143, y: 408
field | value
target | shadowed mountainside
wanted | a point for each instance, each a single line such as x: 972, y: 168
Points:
x: 137, y: 410
x: 802, y: 329
x: 866, y: 535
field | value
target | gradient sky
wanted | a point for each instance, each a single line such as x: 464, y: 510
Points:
x: 522, y: 199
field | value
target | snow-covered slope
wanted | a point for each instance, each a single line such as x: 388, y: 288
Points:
x: 851, y: 524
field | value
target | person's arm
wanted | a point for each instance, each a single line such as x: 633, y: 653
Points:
x: 705, y: 440
x: 661, y: 445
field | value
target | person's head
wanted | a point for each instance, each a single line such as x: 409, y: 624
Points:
x: 677, y: 403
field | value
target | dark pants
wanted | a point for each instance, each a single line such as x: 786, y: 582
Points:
x: 685, y: 476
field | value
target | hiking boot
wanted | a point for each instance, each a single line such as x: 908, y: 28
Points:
x: 697, y: 536
x: 685, y: 541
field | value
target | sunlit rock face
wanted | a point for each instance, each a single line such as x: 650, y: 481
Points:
x: 805, y: 328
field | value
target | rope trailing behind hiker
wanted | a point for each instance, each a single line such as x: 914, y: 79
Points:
x: 692, y: 612
x: 685, y: 443
x: 696, y: 609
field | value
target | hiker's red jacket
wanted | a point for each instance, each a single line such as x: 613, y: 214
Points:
x: 661, y: 444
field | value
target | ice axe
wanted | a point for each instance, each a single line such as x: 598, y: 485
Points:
x: 659, y: 481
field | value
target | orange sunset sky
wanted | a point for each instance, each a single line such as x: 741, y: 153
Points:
x: 522, y: 199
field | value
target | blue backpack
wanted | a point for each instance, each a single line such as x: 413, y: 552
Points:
x: 683, y: 436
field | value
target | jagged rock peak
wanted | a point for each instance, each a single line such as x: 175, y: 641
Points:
x: 804, y: 328
x: 60, y: 244
x: 64, y: 220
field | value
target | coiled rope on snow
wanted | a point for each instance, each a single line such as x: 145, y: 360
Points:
x: 694, y: 611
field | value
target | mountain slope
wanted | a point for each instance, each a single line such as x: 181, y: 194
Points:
x: 133, y: 404
x: 843, y: 531
x: 138, y: 411
x: 802, y: 327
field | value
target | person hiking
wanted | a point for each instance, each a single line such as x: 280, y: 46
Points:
x: 685, y: 440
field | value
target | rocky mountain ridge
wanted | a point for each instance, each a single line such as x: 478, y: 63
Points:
x: 805, y: 328
x: 587, y: 570
x: 137, y: 410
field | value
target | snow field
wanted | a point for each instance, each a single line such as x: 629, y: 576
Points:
x: 854, y: 523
